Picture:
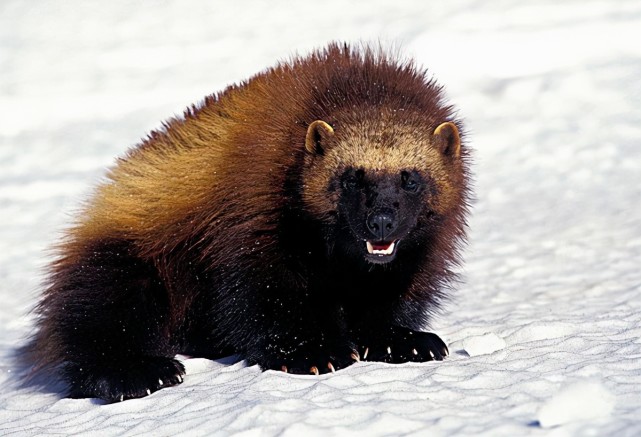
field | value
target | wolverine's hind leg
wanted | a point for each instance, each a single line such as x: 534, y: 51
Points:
x: 105, y: 321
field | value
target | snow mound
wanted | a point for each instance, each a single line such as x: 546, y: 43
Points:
x: 580, y: 401
x: 483, y: 344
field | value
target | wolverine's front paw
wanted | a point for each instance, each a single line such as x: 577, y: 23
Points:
x: 403, y: 345
x: 310, y: 361
x: 127, y: 379
x: 318, y: 363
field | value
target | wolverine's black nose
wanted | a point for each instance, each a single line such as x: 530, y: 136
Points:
x: 381, y: 224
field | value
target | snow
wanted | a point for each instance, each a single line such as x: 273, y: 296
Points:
x: 582, y: 400
x: 481, y: 344
x: 551, y: 94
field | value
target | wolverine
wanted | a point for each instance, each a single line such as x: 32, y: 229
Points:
x: 306, y: 219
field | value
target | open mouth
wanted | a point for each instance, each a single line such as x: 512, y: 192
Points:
x: 381, y: 249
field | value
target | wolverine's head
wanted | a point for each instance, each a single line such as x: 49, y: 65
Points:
x: 381, y: 185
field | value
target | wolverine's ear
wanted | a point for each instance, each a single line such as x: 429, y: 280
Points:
x: 449, y: 139
x: 318, y: 135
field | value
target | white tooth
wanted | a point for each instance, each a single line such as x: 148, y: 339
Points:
x: 387, y: 251
x: 370, y: 248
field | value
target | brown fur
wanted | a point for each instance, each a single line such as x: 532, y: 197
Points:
x: 202, y: 155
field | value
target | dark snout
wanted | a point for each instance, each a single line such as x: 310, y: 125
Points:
x: 381, y: 224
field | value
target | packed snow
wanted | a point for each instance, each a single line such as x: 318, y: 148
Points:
x: 545, y: 326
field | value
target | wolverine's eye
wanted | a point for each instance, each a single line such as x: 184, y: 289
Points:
x: 410, y: 181
x: 350, y: 184
x: 353, y: 180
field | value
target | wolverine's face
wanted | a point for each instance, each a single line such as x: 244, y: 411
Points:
x: 381, y: 184
x: 380, y: 209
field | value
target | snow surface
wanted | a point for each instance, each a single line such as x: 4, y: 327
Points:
x: 583, y: 400
x: 551, y: 94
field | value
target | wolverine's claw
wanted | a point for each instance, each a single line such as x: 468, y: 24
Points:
x: 330, y: 366
x: 284, y: 369
x: 314, y: 370
x: 355, y: 356
x: 365, y: 353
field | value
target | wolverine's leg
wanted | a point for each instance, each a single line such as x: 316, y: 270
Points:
x: 105, y: 320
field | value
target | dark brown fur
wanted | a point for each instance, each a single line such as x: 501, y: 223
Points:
x: 213, y: 236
